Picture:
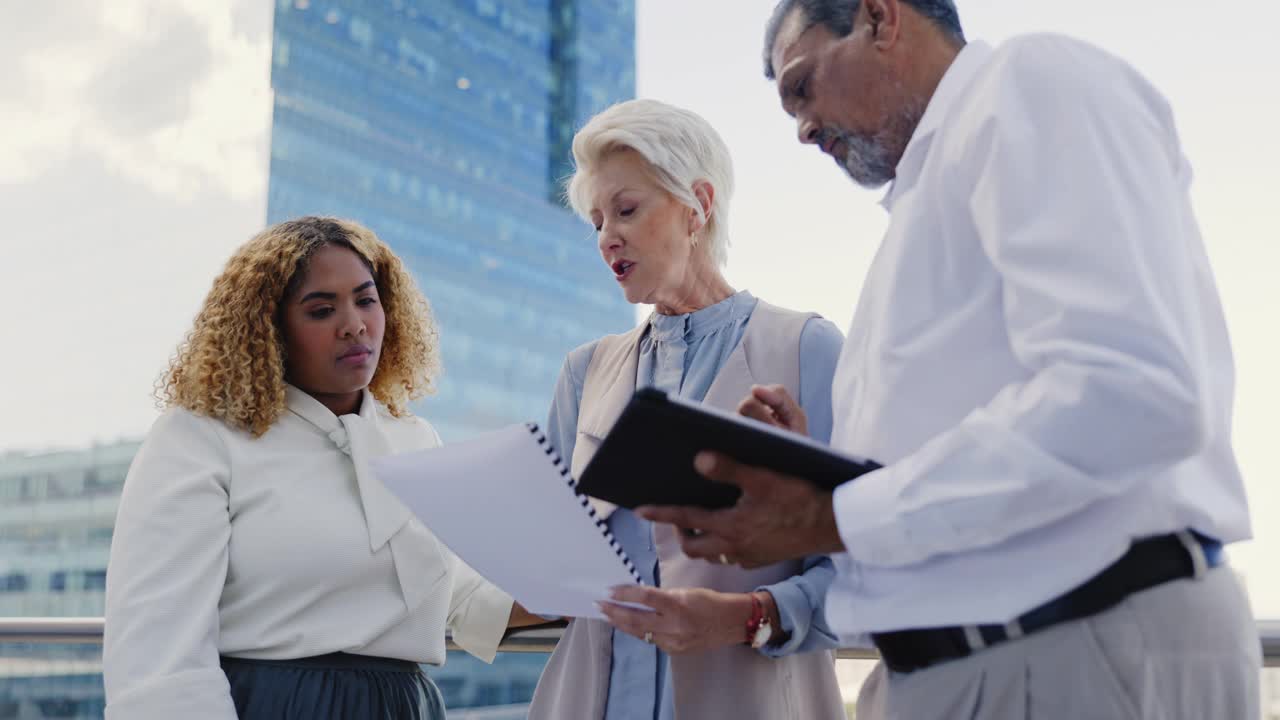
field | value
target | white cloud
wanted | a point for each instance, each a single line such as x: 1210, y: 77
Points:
x: 133, y: 159
x: 172, y: 94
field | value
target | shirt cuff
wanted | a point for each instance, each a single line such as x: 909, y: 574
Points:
x: 482, y: 626
x: 791, y: 603
x: 866, y: 511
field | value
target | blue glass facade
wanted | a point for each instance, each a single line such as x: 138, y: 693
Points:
x: 444, y: 126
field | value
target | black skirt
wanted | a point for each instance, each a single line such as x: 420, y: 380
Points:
x: 335, y: 686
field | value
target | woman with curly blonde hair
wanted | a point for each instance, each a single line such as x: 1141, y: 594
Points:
x: 258, y: 568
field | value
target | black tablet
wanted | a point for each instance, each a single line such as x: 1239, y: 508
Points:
x: 647, y: 458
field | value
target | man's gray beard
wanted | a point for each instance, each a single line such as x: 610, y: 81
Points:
x: 871, y: 159
x: 867, y: 158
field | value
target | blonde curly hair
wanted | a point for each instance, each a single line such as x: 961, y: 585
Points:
x: 231, y: 366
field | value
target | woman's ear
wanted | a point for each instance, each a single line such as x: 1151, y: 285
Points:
x: 705, y: 192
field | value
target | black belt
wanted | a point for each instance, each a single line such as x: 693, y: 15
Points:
x: 1149, y: 562
x: 331, y: 661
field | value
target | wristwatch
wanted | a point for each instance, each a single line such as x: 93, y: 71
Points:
x: 759, y: 629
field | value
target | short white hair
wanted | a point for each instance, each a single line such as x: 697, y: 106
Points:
x: 681, y: 149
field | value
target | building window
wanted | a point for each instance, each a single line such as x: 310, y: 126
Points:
x: 14, y: 582
x: 95, y: 580
x: 55, y: 707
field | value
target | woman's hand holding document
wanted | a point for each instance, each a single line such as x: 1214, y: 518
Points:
x: 505, y: 505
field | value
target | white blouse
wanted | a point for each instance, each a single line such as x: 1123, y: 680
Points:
x: 280, y: 547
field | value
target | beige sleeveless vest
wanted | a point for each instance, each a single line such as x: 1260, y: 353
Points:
x: 734, y: 682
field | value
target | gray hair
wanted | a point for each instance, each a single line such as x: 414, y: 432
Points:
x: 681, y: 149
x: 837, y: 16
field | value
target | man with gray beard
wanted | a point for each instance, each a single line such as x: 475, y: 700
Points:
x: 1040, y: 361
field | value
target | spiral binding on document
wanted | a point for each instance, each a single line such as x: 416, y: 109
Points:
x: 586, y: 502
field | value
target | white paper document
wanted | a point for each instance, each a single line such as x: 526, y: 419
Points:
x: 503, y: 503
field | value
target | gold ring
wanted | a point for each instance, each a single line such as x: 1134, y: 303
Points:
x: 648, y: 637
x: 724, y: 559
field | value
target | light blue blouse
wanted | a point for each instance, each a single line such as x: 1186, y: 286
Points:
x: 681, y: 354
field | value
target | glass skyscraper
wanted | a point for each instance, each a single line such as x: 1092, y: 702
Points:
x: 445, y: 127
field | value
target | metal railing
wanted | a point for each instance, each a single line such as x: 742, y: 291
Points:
x: 88, y: 631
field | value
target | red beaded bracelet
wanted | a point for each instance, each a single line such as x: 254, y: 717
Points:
x: 759, y: 630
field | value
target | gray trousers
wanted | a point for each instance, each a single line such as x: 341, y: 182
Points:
x: 1184, y: 650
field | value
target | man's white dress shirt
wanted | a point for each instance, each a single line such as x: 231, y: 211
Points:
x: 279, y: 547
x: 1039, y: 355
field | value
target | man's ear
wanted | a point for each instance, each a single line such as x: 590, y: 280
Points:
x: 884, y: 17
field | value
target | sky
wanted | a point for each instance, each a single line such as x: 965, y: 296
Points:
x: 133, y: 160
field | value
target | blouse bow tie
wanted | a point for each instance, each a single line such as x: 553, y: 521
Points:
x: 340, y: 438
x: 417, y: 559
x: 363, y: 441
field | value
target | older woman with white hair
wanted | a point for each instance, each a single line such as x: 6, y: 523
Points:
x: 655, y: 181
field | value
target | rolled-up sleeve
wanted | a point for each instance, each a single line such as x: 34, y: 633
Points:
x: 800, y: 600
x: 165, y: 575
x: 478, y: 612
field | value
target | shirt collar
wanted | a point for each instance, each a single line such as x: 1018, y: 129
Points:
x: 967, y: 63
x: 314, y: 411
x: 702, y: 322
